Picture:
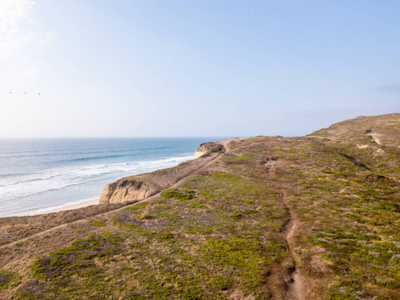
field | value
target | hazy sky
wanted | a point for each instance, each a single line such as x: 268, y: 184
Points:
x: 194, y: 68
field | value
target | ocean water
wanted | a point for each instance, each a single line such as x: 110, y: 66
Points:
x: 38, y: 175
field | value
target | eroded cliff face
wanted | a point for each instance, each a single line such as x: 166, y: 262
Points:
x: 140, y: 187
x: 126, y: 190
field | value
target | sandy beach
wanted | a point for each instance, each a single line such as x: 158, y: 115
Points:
x: 73, y: 206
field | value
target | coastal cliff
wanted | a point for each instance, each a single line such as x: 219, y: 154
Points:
x: 127, y: 190
x: 139, y: 187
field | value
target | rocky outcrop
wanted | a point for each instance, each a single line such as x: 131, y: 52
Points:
x: 126, y: 190
x: 208, y: 148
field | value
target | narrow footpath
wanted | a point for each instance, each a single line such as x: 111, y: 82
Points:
x: 296, y: 285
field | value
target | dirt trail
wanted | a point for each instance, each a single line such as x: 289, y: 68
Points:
x: 376, y: 138
x: 225, y: 143
x: 296, y: 285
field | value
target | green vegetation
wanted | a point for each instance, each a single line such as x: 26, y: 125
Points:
x: 8, y: 279
x: 77, y: 258
x: 73, y: 271
x: 178, y: 194
x: 99, y: 224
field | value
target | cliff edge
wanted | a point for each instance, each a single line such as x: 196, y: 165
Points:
x: 208, y: 148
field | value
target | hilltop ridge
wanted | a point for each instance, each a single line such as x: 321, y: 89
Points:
x: 314, y: 217
x: 383, y: 130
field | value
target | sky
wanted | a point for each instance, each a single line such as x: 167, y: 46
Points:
x: 130, y: 68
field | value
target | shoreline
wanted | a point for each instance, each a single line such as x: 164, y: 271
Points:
x: 55, y: 209
x: 70, y: 206
x: 64, y: 207
x: 58, y: 179
x: 94, y: 201
x: 85, y: 203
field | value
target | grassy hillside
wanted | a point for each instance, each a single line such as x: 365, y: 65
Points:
x: 316, y: 217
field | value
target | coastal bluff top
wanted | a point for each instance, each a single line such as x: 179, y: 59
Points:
x: 208, y: 148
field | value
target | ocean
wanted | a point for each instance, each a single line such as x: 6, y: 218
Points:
x: 39, y: 175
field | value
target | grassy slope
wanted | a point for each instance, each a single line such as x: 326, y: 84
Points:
x: 221, y: 233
